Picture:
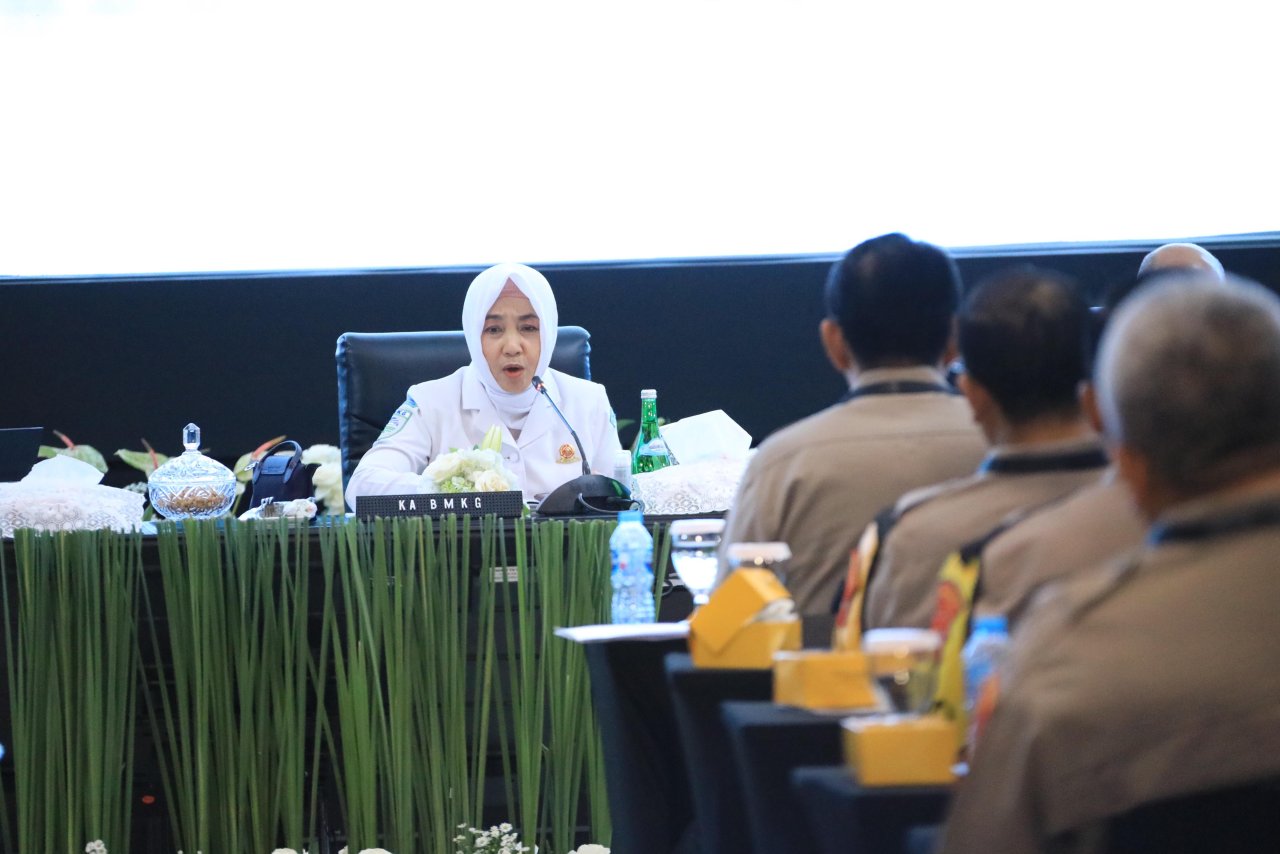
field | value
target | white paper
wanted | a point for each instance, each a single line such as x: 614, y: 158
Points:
x: 629, y: 631
x: 709, y: 436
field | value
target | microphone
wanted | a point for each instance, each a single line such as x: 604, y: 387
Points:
x: 587, y: 494
x: 541, y: 388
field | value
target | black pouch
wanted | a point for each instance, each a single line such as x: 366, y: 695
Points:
x: 280, y: 476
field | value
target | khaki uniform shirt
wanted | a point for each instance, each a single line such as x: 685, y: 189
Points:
x: 1145, y: 680
x: 932, y: 523
x: 817, y: 483
x: 1083, y: 531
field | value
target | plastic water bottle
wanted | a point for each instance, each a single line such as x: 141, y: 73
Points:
x: 632, y: 549
x: 622, y: 468
x: 983, y: 654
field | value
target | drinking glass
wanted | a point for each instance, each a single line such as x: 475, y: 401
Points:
x: 772, y: 556
x: 693, y: 553
x: 904, y: 664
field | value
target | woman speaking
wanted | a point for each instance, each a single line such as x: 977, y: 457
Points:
x: 509, y: 318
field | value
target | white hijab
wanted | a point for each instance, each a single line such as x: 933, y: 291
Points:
x: 483, y: 293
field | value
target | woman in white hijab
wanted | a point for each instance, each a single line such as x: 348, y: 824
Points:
x: 509, y: 318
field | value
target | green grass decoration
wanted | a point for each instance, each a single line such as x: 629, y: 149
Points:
x: 230, y: 719
x: 388, y: 665
x: 413, y: 730
x: 72, y: 674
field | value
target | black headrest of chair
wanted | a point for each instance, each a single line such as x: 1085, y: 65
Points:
x: 375, y: 369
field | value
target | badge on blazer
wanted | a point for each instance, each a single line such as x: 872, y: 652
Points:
x: 399, y: 419
x: 567, y: 454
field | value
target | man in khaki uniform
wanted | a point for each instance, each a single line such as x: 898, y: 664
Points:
x: 1157, y: 676
x: 1091, y: 526
x: 1085, y: 529
x: 1024, y: 337
x: 815, y: 484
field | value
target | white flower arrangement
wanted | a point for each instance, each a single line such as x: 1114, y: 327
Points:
x: 326, y: 481
x: 499, y: 839
x: 480, y: 469
x: 503, y: 839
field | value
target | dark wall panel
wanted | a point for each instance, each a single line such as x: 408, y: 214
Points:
x: 112, y: 360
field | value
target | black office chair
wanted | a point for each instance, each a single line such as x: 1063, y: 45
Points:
x: 376, y: 368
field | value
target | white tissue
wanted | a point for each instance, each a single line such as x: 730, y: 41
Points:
x: 709, y: 436
x: 65, y: 470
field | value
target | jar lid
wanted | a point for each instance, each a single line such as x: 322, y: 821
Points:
x: 759, y: 553
x: 191, y: 466
x: 690, y: 527
x: 901, y: 641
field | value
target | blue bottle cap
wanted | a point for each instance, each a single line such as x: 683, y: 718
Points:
x: 630, y: 516
x: 994, y: 623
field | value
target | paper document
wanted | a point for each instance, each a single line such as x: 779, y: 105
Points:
x: 631, y: 631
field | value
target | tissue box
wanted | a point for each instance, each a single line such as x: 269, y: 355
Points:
x: 725, y: 632
x: 751, y: 648
x: 45, y: 506
x: 890, y: 750
x: 823, y: 679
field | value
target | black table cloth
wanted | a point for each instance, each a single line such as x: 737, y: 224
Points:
x: 847, y: 818
x: 697, y: 694
x: 768, y: 742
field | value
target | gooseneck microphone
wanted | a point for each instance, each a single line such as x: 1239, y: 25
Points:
x: 541, y: 388
x: 587, y: 494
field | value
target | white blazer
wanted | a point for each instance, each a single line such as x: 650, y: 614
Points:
x: 454, y: 413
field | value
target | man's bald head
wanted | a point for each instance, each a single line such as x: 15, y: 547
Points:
x: 1181, y: 256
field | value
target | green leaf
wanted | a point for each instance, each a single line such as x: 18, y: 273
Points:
x: 141, y: 460
x: 241, y: 468
x: 83, y: 453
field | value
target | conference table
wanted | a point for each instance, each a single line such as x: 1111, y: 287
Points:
x: 844, y: 816
x: 705, y: 762
x: 474, y: 600
x: 691, y: 760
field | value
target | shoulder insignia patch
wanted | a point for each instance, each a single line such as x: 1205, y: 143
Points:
x: 399, y: 419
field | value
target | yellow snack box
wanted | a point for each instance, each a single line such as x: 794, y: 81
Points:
x: 725, y: 632
x: 823, y: 680
x: 893, y: 750
x: 751, y: 648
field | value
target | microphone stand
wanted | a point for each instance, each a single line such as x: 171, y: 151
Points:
x: 588, y: 494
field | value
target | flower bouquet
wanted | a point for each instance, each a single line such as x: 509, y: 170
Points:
x: 480, y: 469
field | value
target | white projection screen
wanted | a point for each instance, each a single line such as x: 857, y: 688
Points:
x: 140, y: 137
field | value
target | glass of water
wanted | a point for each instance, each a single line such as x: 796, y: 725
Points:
x: 694, y: 543
x: 904, y: 663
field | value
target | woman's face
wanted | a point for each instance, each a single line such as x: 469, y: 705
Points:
x: 512, y: 342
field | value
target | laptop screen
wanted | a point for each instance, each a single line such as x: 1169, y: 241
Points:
x: 19, y: 451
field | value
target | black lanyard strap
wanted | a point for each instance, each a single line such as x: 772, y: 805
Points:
x: 1192, y: 530
x: 1081, y: 460
x: 896, y: 387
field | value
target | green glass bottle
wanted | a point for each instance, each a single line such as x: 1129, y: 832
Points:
x: 651, y: 452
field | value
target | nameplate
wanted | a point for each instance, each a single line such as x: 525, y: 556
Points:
x: 506, y: 504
